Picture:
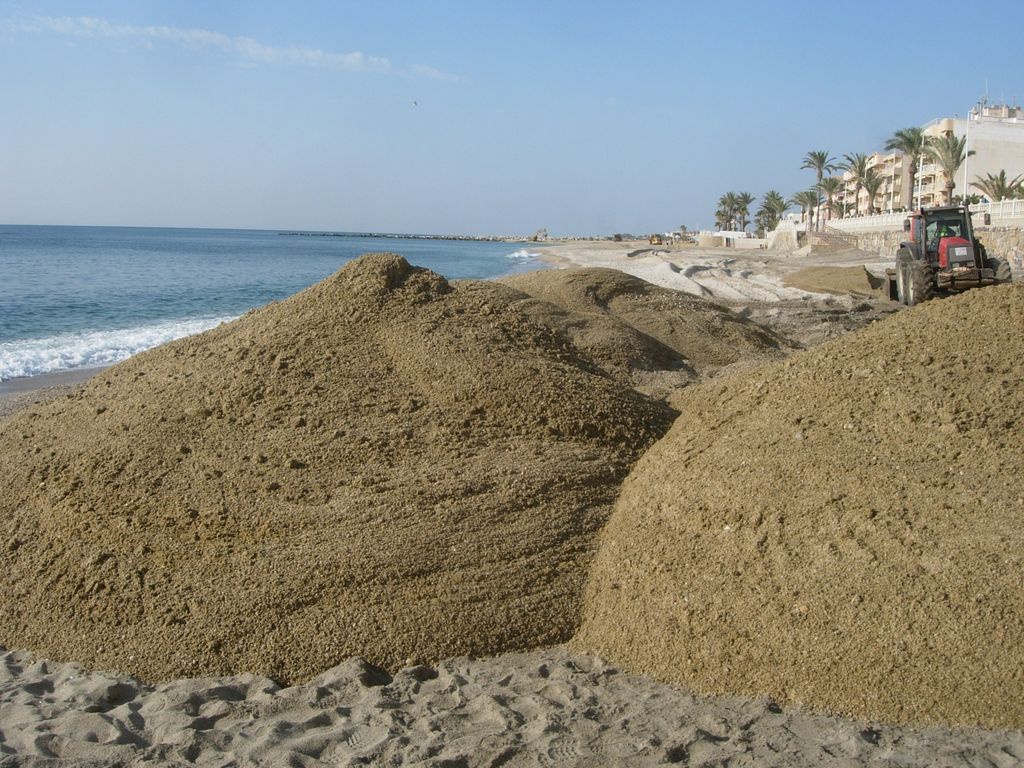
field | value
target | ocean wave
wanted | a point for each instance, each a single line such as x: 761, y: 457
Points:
x: 522, y: 255
x: 91, y: 349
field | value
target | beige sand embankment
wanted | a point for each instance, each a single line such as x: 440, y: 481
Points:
x: 854, y: 281
x: 385, y: 465
x: 720, y: 274
x: 544, y: 707
x: 808, y: 298
x: 844, y: 529
x: 655, y: 338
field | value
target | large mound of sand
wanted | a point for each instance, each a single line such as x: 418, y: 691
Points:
x: 384, y: 465
x: 843, y: 529
x: 656, y: 338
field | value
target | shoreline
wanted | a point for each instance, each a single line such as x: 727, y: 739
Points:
x: 21, y: 392
x: 66, y: 378
x: 724, y: 275
x: 135, y: 334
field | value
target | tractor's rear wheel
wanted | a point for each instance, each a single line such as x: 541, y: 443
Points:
x: 1001, y: 268
x: 920, y: 282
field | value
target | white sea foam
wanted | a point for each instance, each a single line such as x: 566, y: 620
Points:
x: 90, y: 349
x: 522, y: 255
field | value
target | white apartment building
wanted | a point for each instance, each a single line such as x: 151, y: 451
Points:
x: 895, y: 175
x: 994, y: 132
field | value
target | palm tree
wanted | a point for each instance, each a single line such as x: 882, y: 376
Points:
x: 830, y: 187
x: 820, y: 163
x: 996, y: 187
x: 872, y: 183
x: 725, y: 216
x: 763, y: 220
x: 775, y: 202
x: 773, y: 205
x: 808, y: 200
x: 743, y: 201
x: 857, y: 164
x: 909, y: 141
x: 948, y: 152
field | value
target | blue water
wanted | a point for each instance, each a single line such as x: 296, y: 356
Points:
x: 75, y: 297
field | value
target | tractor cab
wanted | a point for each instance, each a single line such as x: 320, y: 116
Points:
x: 943, y: 237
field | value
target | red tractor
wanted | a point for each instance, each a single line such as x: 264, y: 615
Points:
x: 942, y: 254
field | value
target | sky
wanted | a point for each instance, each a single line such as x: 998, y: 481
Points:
x: 585, y: 118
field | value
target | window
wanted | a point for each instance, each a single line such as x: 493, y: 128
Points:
x: 942, y: 227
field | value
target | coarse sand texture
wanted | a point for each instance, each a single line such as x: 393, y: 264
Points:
x: 842, y: 280
x: 385, y: 465
x: 639, y: 327
x: 844, y: 529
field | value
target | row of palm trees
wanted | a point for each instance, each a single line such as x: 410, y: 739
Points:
x: 734, y: 211
x: 864, y: 178
x: 947, y: 151
x: 857, y: 164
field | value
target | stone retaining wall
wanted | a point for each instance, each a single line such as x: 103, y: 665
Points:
x: 1005, y: 242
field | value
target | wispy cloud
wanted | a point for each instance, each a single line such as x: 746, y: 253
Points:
x: 422, y: 70
x: 245, y: 48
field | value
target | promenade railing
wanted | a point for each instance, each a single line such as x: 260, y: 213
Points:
x: 1003, y: 210
x: 880, y: 222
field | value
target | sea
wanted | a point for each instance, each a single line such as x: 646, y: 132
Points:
x: 85, y: 297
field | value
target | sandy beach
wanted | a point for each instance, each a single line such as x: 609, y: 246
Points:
x: 16, y: 394
x: 401, y: 476
x: 547, y: 707
x: 807, y: 298
x: 721, y: 274
x: 458, y: 385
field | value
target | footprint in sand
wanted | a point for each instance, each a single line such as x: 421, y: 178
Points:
x: 362, y: 739
x: 564, y: 751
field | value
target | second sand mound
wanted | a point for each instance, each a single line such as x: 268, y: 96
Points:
x: 384, y: 465
x: 850, y: 280
x: 656, y: 338
x: 843, y: 529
